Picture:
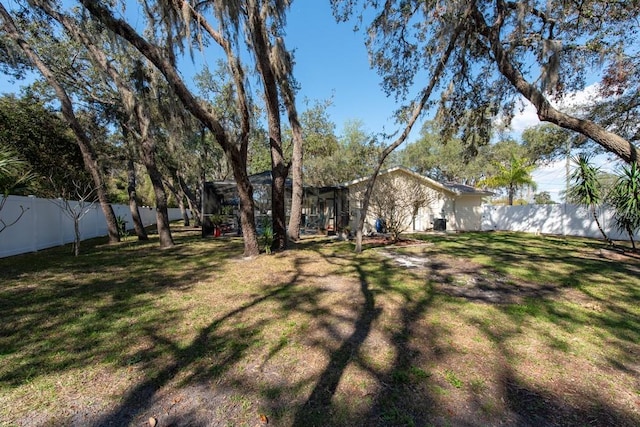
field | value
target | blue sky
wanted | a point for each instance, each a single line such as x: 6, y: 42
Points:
x: 332, y: 61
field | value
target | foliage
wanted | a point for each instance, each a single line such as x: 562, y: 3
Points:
x: 266, y: 236
x: 543, y: 198
x: 14, y: 178
x: 319, y: 131
x: 585, y: 187
x: 14, y: 174
x: 42, y: 139
x: 546, y: 142
x: 617, y: 105
x: 443, y: 160
x: 217, y: 88
x: 512, y: 176
x: 450, y: 159
x: 625, y: 198
x: 507, y: 50
x: 354, y: 156
x: 122, y: 226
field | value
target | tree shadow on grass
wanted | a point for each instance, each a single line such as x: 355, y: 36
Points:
x: 314, y: 410
x: 62, y: 313
x: 402, y: 397
x: 223, y: 363
x: 221, y: 349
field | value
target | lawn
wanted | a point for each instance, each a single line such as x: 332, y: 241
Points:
x: 471, y: 329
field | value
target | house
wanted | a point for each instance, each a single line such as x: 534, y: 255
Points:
x: 415, y: 202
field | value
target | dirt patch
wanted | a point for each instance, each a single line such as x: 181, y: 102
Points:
x: 462, y: 278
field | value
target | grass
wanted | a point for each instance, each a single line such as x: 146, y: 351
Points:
x: 498, y: 328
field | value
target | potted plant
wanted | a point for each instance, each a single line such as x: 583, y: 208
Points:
x: 216, y: 221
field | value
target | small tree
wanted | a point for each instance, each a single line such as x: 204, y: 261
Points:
x: 585, y: 187
x: 543, y: 198
x: 397, y: 202
x: 85, y: 196
x: 625, y: 198
x: 512, y: 176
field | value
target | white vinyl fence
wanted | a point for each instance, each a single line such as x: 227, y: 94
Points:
x: 44, y: 224
x: 562, y: 219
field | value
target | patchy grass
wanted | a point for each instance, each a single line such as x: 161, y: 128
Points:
x: 492, y: 329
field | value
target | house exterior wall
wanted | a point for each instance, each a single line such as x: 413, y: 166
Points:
x: 399, y: 187
x: 468, y: 213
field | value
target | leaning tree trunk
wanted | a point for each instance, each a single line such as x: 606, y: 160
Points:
x: 595, y: 217
x: 176, y: 188
x: 237, y: 154
x: 193, y: 206
x: 546, y: 112
x: 417, y: 111
x: 89, y: 156
x: 633, y: 242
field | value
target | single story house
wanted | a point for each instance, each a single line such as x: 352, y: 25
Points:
x: 416, y: 202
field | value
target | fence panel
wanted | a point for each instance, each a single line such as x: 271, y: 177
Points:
x: 44, y: 224
x: 561, y: 219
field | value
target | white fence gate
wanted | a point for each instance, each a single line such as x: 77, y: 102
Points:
x: 45, y: 225
x: 561, y: 219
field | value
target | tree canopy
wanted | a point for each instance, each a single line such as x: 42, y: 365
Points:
x: 540, y: 51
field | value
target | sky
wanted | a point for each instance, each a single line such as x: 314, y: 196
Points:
x: 332, y: 63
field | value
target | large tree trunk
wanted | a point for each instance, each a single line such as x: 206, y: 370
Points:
x: 546, y: 113
x: 279, y: 169
x: 89, y: 156
x: 162, y: 212
x: 247, y: 214
x: 297, y: 187
x: 138, y: 226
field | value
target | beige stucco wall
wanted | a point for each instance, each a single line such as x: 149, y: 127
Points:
x: 468, y: 213
x: 462, y: 212
x: 439, y: 203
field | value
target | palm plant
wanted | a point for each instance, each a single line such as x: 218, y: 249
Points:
x: 625, y: 198
x: 10, y: 170
x: 513, y: 176
x: 13, y: 177
x: 585, y: 187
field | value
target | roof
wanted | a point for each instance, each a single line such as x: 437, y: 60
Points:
x: 451, y: 188
x: 265, y: 178
x: 463, y: 189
